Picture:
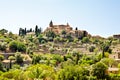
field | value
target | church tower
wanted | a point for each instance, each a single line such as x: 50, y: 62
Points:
x: 68, y: 25
x: 51, y: 24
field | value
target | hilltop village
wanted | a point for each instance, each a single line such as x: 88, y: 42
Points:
x: 58, y: 53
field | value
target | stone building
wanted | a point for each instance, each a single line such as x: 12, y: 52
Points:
x: 117, y: 36
x: 57, y: 29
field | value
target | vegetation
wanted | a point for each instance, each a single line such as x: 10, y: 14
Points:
x: 37, y: 55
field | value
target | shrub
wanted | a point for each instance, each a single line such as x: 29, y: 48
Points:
x: 91, y: 48
x: 17, y: 46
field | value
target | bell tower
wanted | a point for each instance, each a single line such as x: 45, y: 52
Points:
x: 51, y: 24
x: 68, y: 25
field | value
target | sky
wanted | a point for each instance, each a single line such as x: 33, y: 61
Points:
x: 98, y: 17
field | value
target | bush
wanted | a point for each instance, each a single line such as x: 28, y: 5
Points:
x: 36, y: 59
x: 85, y: 40
x: 18, y: 58
x: 51, y: 49
x: 1, y: 57
x: 17, y: 46
x: 57, y: 57
x: 91, y: 48
x: 3, y: 46
x: 73, y: 73
x: 99, y: 70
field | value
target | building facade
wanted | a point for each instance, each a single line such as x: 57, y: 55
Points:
x: 57, y: 29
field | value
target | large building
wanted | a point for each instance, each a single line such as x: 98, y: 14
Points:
x: 58, y: 28
x: 69, y: 30
x: 117, y: 36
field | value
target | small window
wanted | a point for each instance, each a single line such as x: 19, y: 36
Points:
x: 114, y: 57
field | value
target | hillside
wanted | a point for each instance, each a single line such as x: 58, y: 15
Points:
x: 48, y: 55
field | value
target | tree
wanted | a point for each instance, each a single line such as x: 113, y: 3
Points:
x: 77, y: 56
x: 84, y: 34
x: 3, y: 46
x: 41, y: 39
x: 76, y: 28
x: 22, y: 31
x: 36, y: 30
x: 69, y: 38
x: 58, y: 58
x: 73, y: 73
x: 50, y: 35
x: 63, y: 32
x: 11, y: 58
x: 39, y: 71
x: 18, y: 58
x: 1, y: 67
x: 91, y: 48
x: 3, y: 31
x: 21, y: 47
x: 85, y: 40
x: 99, y: 70
x: 17, y: 46
x: 105, y: 46
x: 11, y: 35
x: 13, y: 46
x: 1, y: 58
x: 25, y: 31
x: 30, y: 29
x: 51, y: 49
x: 108, y: 61
x: 11, y: 74
x: 36, y: 59
x: 40, y: 30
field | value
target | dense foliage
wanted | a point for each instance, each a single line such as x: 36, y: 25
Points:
x: 49, y: 56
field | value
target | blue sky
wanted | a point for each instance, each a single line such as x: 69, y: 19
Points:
x: 98, y: 17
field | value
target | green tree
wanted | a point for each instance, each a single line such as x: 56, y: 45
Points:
x: 13, y: 46
x: 25, y: 31
x: 73, y: 73
x: 3, y: 46
x: 41, y: 39
x: 108, y: 61
x: 1, y: 67
x: 85, y: 40
x: 3, y: 31
x: 51, y: 49
x: 17, y: 46
x: 105, y: 46
x: 91, y: 48
x: 22, y: 31
x: 50, y: 35
x: 18, y: 58
x: 1, y: 57
x: 63, y: 32
x: 36, y: 30
x: 11, y: 58
x: 58, y: 58
x: 21, y: 47
x: 69, y: 38
x: 99, y: 70
x: 36, y: 59
x: 41, y: 72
